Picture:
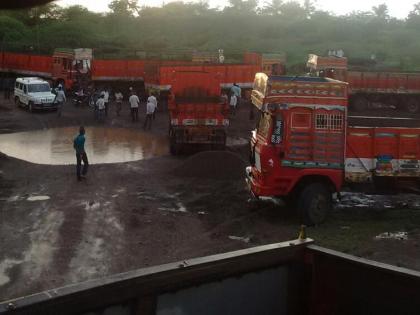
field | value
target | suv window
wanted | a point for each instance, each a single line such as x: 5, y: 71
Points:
x: 25, y: 89
x: 41, y: 87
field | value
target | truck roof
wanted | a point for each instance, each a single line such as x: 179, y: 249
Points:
x: 299, y: 79
x: 298, y: 89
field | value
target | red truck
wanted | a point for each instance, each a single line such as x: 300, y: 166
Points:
x: 305, y: 147
x: 371, y: 88
x: 197, y: 113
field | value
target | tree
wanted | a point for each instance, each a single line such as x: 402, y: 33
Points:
x: 242, y: 6
x: 309, y: 7
x: 293, y: 11
x: 413, y: 19
x: 125, y: 7
x: 273, y: 8
x: 381, y: 12
x: 11, y: 29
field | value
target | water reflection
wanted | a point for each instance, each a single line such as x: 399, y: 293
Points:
x: 103, y: 145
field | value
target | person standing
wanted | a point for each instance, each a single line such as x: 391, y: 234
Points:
x: 106, y: 100
x: 150, y: 109
x: 152, y: 99
x: 233, y: 103
x: 79, y: 147
x: 235, y: 89
x: 100, y: 105
x: 119, y: 98
x: 60, y: 98
x: 134, y: 105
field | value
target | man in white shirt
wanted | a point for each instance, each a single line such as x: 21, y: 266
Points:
x: 100, y: 104
x: 134, y: 105
x: 60, y: 98
x: 150, y: 110
x: 152, y: 99
x: 106, y: 100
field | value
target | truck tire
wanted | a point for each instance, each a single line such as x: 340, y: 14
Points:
x: 359, y: 104
x: 413, y: 105
x: 30, y: 107
x: 314, y: 204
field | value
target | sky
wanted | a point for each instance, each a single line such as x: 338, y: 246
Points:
x: 397, y: 8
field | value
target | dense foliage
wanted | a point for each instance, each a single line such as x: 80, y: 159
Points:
x: 177, y: 28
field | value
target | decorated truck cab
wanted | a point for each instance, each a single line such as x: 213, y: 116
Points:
x: 303, y: 149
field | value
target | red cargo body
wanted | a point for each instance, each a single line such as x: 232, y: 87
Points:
x: 382, y: 152
x: 118, y: 70
x: 159, y: 75
x: 197, y: 115
x: 371, y: 89
x: 33, y: 65
x: 303, y: 149
x: 384, y: 82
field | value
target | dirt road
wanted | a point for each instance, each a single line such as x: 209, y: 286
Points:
x: 55, y: 230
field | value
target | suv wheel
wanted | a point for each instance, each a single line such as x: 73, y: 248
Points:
x: 30, y: 107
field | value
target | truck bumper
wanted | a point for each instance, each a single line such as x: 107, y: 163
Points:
x: 257, y: 189
x: 197, y: 135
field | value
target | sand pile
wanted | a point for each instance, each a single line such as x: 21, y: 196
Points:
x: 213, y: 165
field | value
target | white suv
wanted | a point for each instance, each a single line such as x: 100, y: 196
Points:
x: 34, y: 93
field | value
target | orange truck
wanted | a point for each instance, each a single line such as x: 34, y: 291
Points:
x: 198, y: 115
x: 306, y: 148
x: 371, y: 89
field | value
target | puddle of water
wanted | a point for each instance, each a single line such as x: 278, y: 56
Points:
x: 103, y: 145
x: 38, y: 198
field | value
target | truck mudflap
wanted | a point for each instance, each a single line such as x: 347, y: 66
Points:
x: 248, y: 181
x: 293, y: 277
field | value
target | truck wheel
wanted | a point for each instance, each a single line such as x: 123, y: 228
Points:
x: 314, y: 204
x: 30, y: 107
x: 413, y: 106
x: 360, y: 104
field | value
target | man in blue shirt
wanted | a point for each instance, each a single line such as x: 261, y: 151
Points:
x: 79, y: 146
x: 236, y: 90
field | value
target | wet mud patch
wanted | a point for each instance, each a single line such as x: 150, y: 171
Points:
x: 221, y: 165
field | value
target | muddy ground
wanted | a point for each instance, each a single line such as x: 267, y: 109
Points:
x: 136, y: 214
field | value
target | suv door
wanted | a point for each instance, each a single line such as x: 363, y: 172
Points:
x: 25, y: 98
x: 18, y: 91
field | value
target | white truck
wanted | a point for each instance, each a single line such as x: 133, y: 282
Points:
x: 34, y: 93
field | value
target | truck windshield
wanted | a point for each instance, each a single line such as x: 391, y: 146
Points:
x: 42, y: 87
x: 264, y: 125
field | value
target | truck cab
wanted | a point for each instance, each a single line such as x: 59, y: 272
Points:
x: 71, y: 67
x: 297, y: 148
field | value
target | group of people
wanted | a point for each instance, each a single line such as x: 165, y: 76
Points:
x: 102, y: 106
x: 151, y: 107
